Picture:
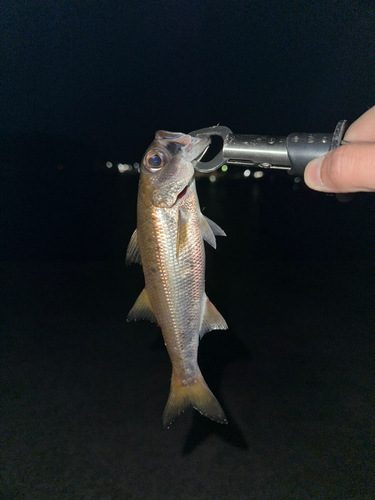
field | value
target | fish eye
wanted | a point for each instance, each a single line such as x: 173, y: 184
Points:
x: 154, y: 161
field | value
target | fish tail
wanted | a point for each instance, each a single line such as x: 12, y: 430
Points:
x: 197, y: 394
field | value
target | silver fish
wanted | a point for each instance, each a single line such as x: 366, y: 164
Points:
x: 168, y: 242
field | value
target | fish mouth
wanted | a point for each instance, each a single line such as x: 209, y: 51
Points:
x: 184, y: 191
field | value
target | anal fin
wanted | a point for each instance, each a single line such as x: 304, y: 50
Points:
x: 212, y: 319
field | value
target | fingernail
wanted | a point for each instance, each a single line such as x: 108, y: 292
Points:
x: 312, y: 174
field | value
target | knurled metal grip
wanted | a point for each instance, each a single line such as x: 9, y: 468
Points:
x: 302, y: 148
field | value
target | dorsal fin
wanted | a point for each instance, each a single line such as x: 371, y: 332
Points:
x: 206, y: 231
x: 212, y: 319
x: 132, y: 253
x: 215, y: 228
x: 209, y: 229
x: 142, y: 309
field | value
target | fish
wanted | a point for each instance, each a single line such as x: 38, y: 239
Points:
x: 169, y: 244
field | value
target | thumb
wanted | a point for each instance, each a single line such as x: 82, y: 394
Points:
x: 347, y: 169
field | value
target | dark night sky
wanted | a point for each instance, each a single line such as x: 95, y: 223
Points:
x: 112, y: 73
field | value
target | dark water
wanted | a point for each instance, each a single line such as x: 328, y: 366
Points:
x: 83, y: 391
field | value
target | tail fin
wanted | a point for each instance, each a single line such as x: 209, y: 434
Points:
x: 196, y: 394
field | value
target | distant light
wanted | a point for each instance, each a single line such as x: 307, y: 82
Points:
x: 247, y: 173
x: 109, y: 164
x: 212, y: 178
x: 224, y: 168
x: 123, y: 167
x: 258, y: 174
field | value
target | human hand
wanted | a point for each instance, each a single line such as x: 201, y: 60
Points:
x: 351, y: 167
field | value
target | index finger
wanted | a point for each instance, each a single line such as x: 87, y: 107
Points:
x: 363, y: 129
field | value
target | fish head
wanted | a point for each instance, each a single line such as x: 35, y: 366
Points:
x: 167, y: 168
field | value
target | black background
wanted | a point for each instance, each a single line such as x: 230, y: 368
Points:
x: 83, y: 391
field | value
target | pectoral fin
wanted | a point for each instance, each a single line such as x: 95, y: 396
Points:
x: 142, y: 309
x: 132, y: 253
x: 212, y: 319
x: 182, y: 233
x: 209, y: 229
